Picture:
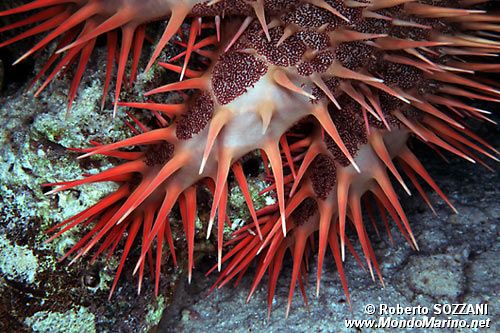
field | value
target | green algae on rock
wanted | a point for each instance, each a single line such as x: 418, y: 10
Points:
x: 72, y: 321
x: 17, y: 262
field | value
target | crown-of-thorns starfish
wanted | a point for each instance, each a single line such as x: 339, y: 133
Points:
x: 329, y: 92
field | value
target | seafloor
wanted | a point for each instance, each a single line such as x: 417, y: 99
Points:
x: 457, y: 263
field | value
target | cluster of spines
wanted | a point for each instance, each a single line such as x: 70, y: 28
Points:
x: 119, y: 211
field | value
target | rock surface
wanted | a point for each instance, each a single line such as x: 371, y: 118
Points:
x: 38, y: 293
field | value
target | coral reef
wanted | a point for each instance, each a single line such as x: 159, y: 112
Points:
x: 327, y: 94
